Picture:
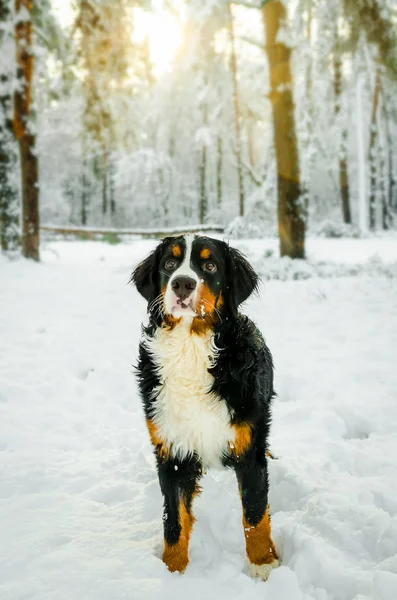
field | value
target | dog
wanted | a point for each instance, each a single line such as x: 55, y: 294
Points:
x: 205, y: 377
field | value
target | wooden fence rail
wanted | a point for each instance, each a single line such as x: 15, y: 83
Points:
x: 89, y: 233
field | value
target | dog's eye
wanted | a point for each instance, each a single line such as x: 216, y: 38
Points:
x: 170, y: 264
x: 210, y: 267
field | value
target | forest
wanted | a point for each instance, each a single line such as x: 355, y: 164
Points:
x: 262, y: 118
x: 270, y: 125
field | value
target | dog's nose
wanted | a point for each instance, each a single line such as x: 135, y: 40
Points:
x: 183, y: 286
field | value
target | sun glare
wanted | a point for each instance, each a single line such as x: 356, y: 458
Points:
x: 64, y: 11
x: 164, y: 34
x: 162, y: 29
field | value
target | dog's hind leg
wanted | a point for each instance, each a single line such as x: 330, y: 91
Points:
x: 179, y: 485
x: 253, y: 484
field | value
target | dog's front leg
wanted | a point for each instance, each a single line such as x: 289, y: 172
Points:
x: 253, y: 484
x: 179, y: 484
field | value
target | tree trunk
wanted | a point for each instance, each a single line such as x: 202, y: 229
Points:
x: 203, y: 190
x: 384, y: 194
x: 111, y: 187
x: 9, y: 193
x: 237, y: 113
x: 343, y: 169
x: 84, y: 191
x: 26, y: 139
x: 30, y: 197
x: 219, y: 171
x: 291, y: 221
x: 390, y: 152
x: 361, y: 156
x: 373, y: 141
x: 104, y: 181
x: 203, y: 202
x: 251, y: 141
x: 344, y: 185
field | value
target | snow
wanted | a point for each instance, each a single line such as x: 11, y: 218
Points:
x: 80, y: 506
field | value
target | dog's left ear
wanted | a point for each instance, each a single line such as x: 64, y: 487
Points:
x: 243, y: 280
x: 146, y: 275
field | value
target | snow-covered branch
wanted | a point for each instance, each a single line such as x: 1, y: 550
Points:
x: 257, y: 5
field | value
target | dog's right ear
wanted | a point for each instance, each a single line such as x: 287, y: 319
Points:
x: 146, y: 274
x: 144, y: 277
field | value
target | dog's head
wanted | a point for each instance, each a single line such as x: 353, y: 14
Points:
x: 196, y: 277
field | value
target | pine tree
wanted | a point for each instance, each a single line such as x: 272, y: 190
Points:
x: 9, y: 193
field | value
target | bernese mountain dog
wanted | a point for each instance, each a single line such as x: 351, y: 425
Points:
x: 206, y: 380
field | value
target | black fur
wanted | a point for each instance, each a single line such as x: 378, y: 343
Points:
x: 243, y: 378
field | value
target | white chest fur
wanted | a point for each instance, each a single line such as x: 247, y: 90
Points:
x: 189, y: 418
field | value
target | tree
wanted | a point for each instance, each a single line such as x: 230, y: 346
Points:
x: 237, y: 111
x: 291, y: 219
x: 373, y: 147
x: 372, y: 24
x: 9, y: 192
x: 343, y: 169
x: 105, y: 42
x: 23, y: 129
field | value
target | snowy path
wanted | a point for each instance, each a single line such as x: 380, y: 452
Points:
x: 80, y: 507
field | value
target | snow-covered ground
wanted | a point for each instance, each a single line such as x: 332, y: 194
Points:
x: 80, y: 506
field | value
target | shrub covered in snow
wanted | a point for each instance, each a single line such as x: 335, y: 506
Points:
x: 285, y: 268
x: 242, y: 228
x: 259, y: 220
x: 334, y: 229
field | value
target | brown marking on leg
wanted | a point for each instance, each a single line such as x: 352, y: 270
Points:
x: 176, y: 251
x: 205, y: 253
x: 176, y: 556
x: 259, y: 544
x: 242, y: 440
x: 157, y: 442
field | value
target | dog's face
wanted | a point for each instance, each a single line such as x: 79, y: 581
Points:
x: 196, y: 277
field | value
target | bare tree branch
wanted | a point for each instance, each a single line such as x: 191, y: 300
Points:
x: 252, y: 42
x: 255, y: 178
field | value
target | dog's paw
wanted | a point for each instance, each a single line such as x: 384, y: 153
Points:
x: 263, y: 571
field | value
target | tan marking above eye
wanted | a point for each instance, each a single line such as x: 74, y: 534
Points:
x: 205, y: 253
x: 176, y: 251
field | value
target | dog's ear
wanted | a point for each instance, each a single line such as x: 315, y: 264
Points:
x: 146, y: 274
x: 242, y: 279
